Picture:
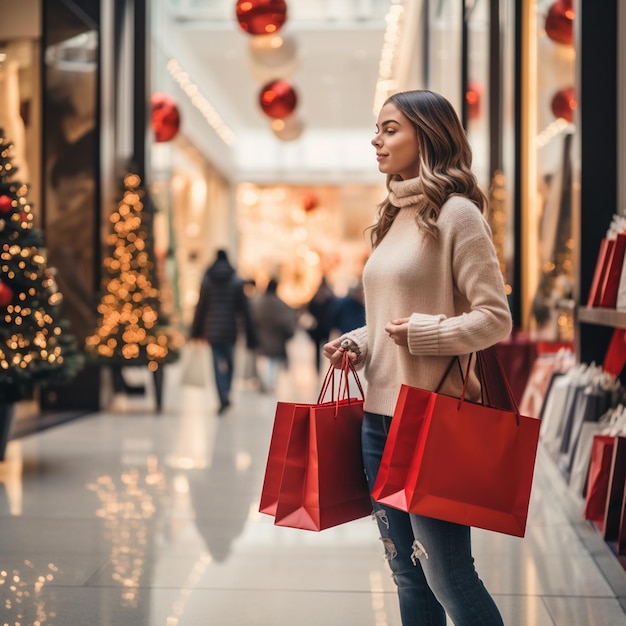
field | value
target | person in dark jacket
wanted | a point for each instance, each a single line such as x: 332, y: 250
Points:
x: 348, y: 312
x: 319, y: 307
x: 222, y: 310
x: 275, y: 322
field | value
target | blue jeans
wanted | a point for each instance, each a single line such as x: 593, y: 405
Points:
x: 223, y: 370
x: 431, y: 560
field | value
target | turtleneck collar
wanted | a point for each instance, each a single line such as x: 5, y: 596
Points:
x: 404, y: 193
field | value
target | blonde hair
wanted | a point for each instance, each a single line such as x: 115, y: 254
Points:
x: 445, y: 161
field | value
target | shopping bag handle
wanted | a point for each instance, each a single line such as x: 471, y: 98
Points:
x: 485, y: 359
x: 482, y: 357
x: 343, y: 390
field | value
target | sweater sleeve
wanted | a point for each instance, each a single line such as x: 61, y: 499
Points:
x: 359, y: 337
x: 486, y: 318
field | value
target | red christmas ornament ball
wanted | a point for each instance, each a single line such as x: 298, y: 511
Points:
x: 564, y: 104
x: 278, y: 99
x: 6, y: 204
x: 560, y: 22
x: 6, y: 294
x: 165, y: 117
x: 261, y: 17
x: 473, y: 100
x: 310, y: 202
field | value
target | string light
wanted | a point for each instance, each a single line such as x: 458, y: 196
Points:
x: 128, y: 324
x: 386, y: 83
x: 192, y: 91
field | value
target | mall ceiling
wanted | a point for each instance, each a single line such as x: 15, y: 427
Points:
x: 334, y: 72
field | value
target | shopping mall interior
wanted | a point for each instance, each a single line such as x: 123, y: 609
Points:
x: 140, y: 137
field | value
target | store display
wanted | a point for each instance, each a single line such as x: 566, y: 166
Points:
x: 606, y: 285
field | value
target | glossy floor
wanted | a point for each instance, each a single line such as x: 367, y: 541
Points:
x: 126, y: 518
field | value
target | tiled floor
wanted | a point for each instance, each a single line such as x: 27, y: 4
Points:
x: 132, y: 519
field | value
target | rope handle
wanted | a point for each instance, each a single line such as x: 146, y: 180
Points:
x: 343, y: 390
x: 484, y: 358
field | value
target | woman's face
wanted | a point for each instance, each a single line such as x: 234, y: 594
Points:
x: 395, y: 141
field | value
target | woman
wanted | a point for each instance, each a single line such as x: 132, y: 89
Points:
x: 433, y: 290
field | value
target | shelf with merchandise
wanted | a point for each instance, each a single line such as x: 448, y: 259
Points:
x: 602, y: 317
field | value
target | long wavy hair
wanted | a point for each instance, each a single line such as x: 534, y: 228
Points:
x: 445, y: 161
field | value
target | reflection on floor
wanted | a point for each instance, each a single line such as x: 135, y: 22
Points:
x: 134, y: 519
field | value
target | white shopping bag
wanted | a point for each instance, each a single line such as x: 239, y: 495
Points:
x: 196, y: 364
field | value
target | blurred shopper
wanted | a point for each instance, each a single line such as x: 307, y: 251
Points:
x: 348, y: 313
x: 223, y: 310
x: 275, y: 322
x: 319, y: 307
x: 249, y: 372
x: 433, y: 290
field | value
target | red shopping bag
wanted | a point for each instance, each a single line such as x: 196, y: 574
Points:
x: 615, y: 491
x: 598, y: 481
x: 287, y: 416
x: 601, y: 268
x: 400, y: 445
x: 467, y: 462
x: 615, y: 356
x: 610, y: 284
x: 322, y: 480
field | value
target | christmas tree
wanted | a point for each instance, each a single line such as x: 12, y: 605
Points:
x: 35, y: 345
x: 131, y: 329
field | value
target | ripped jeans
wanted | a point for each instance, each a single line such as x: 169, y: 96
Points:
x: 431, y: 560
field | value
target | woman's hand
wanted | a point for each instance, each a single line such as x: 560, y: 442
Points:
x: 334, y: 352
x: 398, y: 331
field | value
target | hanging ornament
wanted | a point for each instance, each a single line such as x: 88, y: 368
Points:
x: 560, y: 22
x: 272, y: 57
x: 288, y: 128
x: 165, y: 117
x: 261, y: 17
x: 278, y: 99
x: 473, y: 99
x: 6, y: 294
x: 6, y: 204
x: 564, y: 104
x: 310, y: 202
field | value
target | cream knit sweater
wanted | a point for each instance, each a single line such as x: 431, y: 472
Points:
x: 451, y: 289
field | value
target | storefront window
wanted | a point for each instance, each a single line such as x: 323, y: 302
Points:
x: 71, y: 158
x: 444, y: 53
x: 548, y: 203
x: 477, y: 91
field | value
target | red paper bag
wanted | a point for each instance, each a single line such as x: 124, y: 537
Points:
x: 598, y: 481
x: 610, y: 284
x: 286, y: 416
x: 604, y: 254
x: 323, y: 483
x: 615, y: 357
x: 314, y: 476
x: 468, y: 463
x: 615, y: 491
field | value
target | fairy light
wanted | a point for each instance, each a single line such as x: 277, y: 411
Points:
x: 192, y: 91
x: 386, y: 82
x: 31, y: 350
x: 128, y: 323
